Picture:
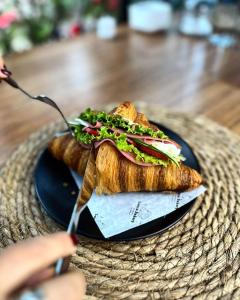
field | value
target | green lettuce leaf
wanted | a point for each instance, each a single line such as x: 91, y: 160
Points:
x: 120, y: 141
x: 114, y: 121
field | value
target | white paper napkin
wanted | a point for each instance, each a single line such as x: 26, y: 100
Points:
x: 120, y: 212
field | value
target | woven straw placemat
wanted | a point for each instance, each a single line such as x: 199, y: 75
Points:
x: 198, y: 258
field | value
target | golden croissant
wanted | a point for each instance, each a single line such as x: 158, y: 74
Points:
x: 132, y: 155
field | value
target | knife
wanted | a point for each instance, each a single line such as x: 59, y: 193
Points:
x: 88, y: 184
x: 85, y: 193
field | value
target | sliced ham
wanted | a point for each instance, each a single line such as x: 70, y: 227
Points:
x: 97, y: 144
x: 131, y: 157
x: 128, y: 155
x: 92, y: 129
x: 146, y: 138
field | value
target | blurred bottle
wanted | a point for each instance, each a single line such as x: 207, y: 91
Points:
x: 195, y: 20
x: 107, y: 27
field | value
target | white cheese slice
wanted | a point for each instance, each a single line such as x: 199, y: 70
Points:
x: 167, y: 148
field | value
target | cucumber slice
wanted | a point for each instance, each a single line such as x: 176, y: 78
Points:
x: 171, y: 157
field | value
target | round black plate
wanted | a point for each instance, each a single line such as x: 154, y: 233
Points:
x: 57, y: 191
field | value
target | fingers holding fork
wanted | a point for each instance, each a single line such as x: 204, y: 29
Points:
x: 4, y: 72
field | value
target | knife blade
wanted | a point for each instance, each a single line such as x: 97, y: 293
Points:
x: 85, y: 193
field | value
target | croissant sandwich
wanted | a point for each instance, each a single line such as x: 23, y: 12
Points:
x: 131, y: 154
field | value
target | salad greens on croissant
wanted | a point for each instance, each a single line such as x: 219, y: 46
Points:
x: 143, y: 144
x: 130, y: 153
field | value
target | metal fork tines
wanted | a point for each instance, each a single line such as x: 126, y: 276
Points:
x: 41, y: 98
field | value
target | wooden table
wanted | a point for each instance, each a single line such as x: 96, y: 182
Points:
x: 173, y: 71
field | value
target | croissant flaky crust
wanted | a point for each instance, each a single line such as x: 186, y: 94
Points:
x: 68, y: 150
x: 120, y: 175
x: 115, y: 173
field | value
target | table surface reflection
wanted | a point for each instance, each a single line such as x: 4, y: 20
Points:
x: 173, y: 71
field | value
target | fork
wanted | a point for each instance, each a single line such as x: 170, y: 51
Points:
x: 41, y: 98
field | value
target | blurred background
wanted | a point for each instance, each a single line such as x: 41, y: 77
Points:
x: 181, y: 55
x: 26, y: 23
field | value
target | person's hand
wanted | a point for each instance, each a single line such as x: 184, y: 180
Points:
x: 26, y: 266
x: 4, y: 73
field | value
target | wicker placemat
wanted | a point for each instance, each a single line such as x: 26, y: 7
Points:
x: 196, y: 259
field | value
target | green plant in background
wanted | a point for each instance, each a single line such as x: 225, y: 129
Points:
x: 97, y: 8
x: 93, y: 8
x: 24, y: 23
x: 39, y: 30
x: 34, y: 22
x: 64, y: 8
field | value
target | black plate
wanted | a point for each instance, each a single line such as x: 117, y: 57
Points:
x: 57, y: 191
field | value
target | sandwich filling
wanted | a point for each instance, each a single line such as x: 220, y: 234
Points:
x: 140, y: 144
